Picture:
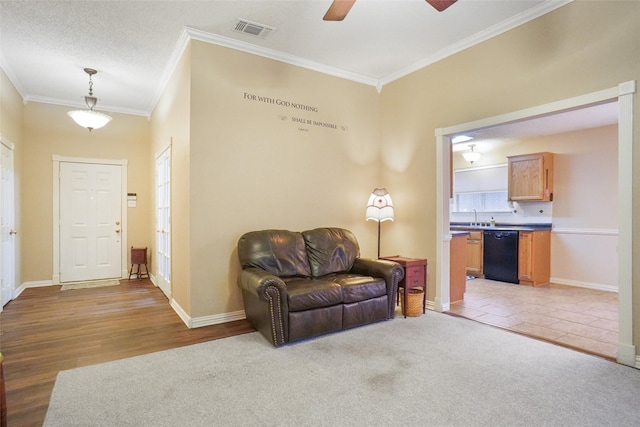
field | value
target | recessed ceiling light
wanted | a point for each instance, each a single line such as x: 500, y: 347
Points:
x: 461, y: 138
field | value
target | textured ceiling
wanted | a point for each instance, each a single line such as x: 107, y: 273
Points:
x: 133, y: 44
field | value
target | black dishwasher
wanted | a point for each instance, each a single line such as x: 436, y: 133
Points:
x: 501, y: 255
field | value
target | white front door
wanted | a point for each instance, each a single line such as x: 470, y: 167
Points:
x: 90, y: 221
x: 7, y: 238
x: 163, y: 222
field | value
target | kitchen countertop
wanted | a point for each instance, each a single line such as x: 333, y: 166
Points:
x: 500, y: 227
x: 458, y: 232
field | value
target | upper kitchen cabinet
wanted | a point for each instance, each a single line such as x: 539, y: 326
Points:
x: 531, y: 177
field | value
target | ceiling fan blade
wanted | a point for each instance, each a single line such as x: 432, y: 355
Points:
x: 338, y: 10
x: 441, y: 5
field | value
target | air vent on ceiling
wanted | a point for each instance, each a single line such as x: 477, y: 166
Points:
x: 253, y: 28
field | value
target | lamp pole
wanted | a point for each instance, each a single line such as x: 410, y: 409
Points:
x: 378, y: 239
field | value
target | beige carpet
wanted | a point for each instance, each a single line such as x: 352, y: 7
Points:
x: 90, y: 284
x: 432, y: 370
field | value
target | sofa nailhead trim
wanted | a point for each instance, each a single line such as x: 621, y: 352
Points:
x: 274, y: 318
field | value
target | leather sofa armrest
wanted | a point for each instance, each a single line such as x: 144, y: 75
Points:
x: 265, y: 303
x: 256, y: 281
x: 390, y: 271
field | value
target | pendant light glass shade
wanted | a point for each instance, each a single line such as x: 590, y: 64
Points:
x: 472, y: 156
x: 89, y: 119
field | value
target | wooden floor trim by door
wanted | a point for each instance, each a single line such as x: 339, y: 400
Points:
x: 46, y: 330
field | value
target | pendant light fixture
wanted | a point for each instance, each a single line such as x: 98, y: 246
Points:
x: 90, y: 118
x: 471, y: 156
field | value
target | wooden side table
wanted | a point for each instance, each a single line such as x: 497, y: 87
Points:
x: 139, y: 258
x: 415, y: 276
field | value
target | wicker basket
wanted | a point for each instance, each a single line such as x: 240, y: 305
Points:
x: 414, y: 302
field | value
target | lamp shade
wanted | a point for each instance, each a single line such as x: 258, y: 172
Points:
x: 379, y: 206
x: 89, y: 119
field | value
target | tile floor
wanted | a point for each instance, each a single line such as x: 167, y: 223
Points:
x: 584, y: 319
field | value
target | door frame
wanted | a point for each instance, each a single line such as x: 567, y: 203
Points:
x: 160, y: 282
x: 624, y: 95
x: 11, y: 147
x: 55, y: 279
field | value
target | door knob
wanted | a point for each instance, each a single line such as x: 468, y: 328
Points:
x: 117, y: 231
x: 117, y: 222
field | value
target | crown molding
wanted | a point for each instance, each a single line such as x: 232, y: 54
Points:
x: 83, y: 106
x: 172, y: 63
x: 4, y: 65
x: 502, y: 27
x: 203, y: 36
x: 189, y: 34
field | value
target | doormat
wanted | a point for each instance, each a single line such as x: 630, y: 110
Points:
x: 90, y: 284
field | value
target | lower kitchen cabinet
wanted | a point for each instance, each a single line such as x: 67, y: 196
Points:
x: 474, y: 253
x: 534, y: 257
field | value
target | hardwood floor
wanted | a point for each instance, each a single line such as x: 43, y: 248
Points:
x: 46, y: 330
x: 579, y: 318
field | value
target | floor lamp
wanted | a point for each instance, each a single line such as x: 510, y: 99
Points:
x: 379, y: 209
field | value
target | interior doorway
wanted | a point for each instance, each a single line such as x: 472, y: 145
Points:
x: 623, y: 93
x: 163, y: 222
x: 7, y: 225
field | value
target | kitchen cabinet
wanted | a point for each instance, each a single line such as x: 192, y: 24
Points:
x: 534, y: 257
x: 531, y: 177
x: 474, y: 253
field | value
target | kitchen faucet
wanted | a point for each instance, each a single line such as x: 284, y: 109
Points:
x: 475, y: 217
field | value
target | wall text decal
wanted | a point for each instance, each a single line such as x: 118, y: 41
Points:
x: 297, y: 106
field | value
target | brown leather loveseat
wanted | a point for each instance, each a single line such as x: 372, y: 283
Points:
x: 298, y: 285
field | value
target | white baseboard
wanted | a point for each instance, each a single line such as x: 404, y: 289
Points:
x: 589, y: 285
x: 34, y: 284
x: 214, y: 319
x: 181, y: 313
x: 627, y: 355
x: 438, y: 305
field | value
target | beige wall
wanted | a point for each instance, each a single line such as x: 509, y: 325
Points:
x: 580, y: 48
x: 171, y: 127
x: 49, y: 131
x: 253, y: 167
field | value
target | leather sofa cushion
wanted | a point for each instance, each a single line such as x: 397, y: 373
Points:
x: 280, y: 252
x: 305, y: 294
x: 360, y: 288
x: 363, y: 312
x: 330, y: 250
x: 309, y: 323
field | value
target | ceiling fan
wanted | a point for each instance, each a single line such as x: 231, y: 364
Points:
x: 339, y: 8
